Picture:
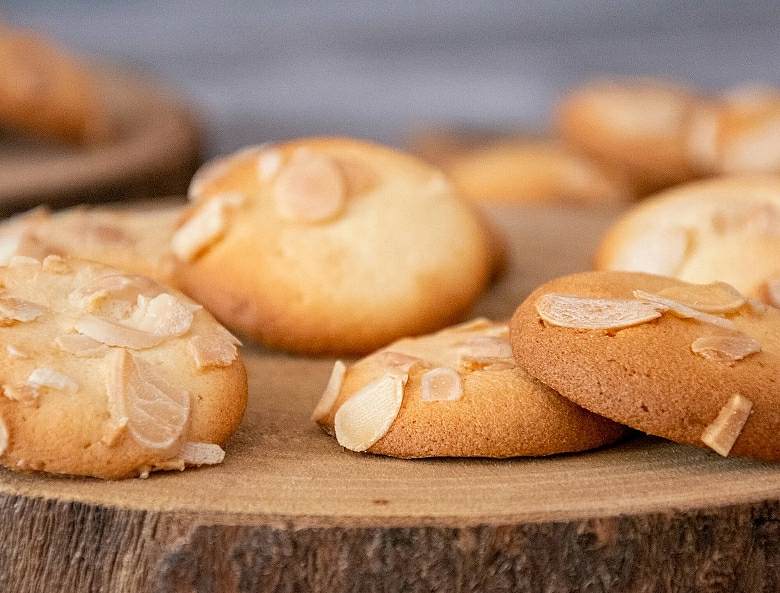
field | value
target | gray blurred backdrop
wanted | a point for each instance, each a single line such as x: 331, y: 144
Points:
x: 258, y: 71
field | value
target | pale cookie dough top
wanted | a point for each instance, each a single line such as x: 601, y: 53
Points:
x: 457, y: 392
x: 330, y: 245
x: 110, y: 374
x: 724, y: 229
x: 694, y: 363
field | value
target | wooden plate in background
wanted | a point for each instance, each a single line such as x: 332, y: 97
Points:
x: 155, y: 155
x: 289, y: 510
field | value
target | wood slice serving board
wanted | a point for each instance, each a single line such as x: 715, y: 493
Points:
x: 156, y: 151
x: 289, y: 510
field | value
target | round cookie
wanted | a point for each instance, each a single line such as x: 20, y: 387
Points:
x: 47, y: 93
x: 135, y: 240
x: 110, y: 374
x: 455, y: 393
x: 641, y: 126
x: 727, y: 229
x: 330, y: 245
x: 697, y: 364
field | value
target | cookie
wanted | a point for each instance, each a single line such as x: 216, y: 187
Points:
x: 132, y: 239
x: 454, y: 393
x: 726, y: 228
x: 330, y: 245
x: 110, y: 374
x: 47, y: 93
x: 694, y: 363
x: 641, y: 126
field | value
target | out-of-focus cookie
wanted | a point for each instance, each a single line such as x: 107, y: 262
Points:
x: 726, y: 228
x: 133, y: 239
x: 641, y: 126
x: 522, y: 169
x: 697, y: 364
x: 110, y: 374
x: 47, y: 93
x: 330, y: 245
x: 455, y: 393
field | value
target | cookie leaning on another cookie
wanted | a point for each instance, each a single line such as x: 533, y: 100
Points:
x: 727, y: 229
x: 330, y: 245
x: 697, y: 364
x: 454, y: 393
x: 110, y: 374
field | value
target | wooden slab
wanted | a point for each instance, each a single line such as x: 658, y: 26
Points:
x: 289, y: 510
x: 156, y: 153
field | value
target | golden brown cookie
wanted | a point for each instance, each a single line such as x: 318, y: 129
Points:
x: 455, y: 393
x: 727, y: 228
x: 110, y: 374
x: 47, y: 93
x: 132, y: 239
x: 330, y: 245
x: 693, y: 363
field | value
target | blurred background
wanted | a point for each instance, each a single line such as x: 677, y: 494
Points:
x: 255, y: 71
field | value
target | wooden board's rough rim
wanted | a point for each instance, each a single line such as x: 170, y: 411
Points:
x: 156, y: 153
x: 289, y: 510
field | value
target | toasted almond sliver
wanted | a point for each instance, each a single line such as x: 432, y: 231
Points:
x: 212, y: 351
x: 4, y: 436
x: 205, y: 227
x: 484, y: 347
x: 20, y: 310
x: 202, y: 454
x: 716, y: 297
x: 47, y: 377
x: 725, y: 348
x: 162, y: 315
x: 331, y: 393
x: 81, y: 345
x: 367, y: 416
x: 113, y: 334
x: 589, y: 313
x: 684, y: 311
x: 22, y: 391
x: 396, y: 364
x: 310, y: 188
x: 441, y: 384
x: 723, y: 432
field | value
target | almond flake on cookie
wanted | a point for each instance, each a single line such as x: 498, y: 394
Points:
x: 716, y: 297
x: 684, y: 311
x: 723, y: 432
x: 367, y: 416
x: 47, y: 377
x: 725, y: 348
x: 441, y: 384
x: 589, y: 313
x: 205, y: 227
x: 310, y: 188
x: 331, y: 393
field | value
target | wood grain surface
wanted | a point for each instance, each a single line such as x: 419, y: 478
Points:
x: 156, y: 151
x: 290, y: 510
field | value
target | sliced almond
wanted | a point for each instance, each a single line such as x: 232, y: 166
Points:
x: 723, y: 432
x: 484, y: 347
x: 716, y: 297
x: 156, y: 412
x: 331, y: 393
x: 163, y: 315
x: 55, y: 264
x: 396, y: 364
x: 367, y: 416
x: 202, y: 454
x: 23, y: 392
x: 725, y: 348
x: 81, y: 345
x: 205, y: 227
x: 113, y: 334
x: 268, y: 163
x: 113, y: 431
x: 441, y: 384
x: 15, y: 351
x: 5, y: 437
x: 589, y: 313
x: 684, y: 311
x: 13, y: 309
x: 212, y: 351
x: 310, y: 188
x: 48, y: 377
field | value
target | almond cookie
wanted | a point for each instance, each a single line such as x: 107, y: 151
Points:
x: 110, y: 374
x: 455, y: 393
x: 694, y: 363
x: 330, y: 245
x: 726, y: 229
x: 47, y: 93
x: 135, y: 240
